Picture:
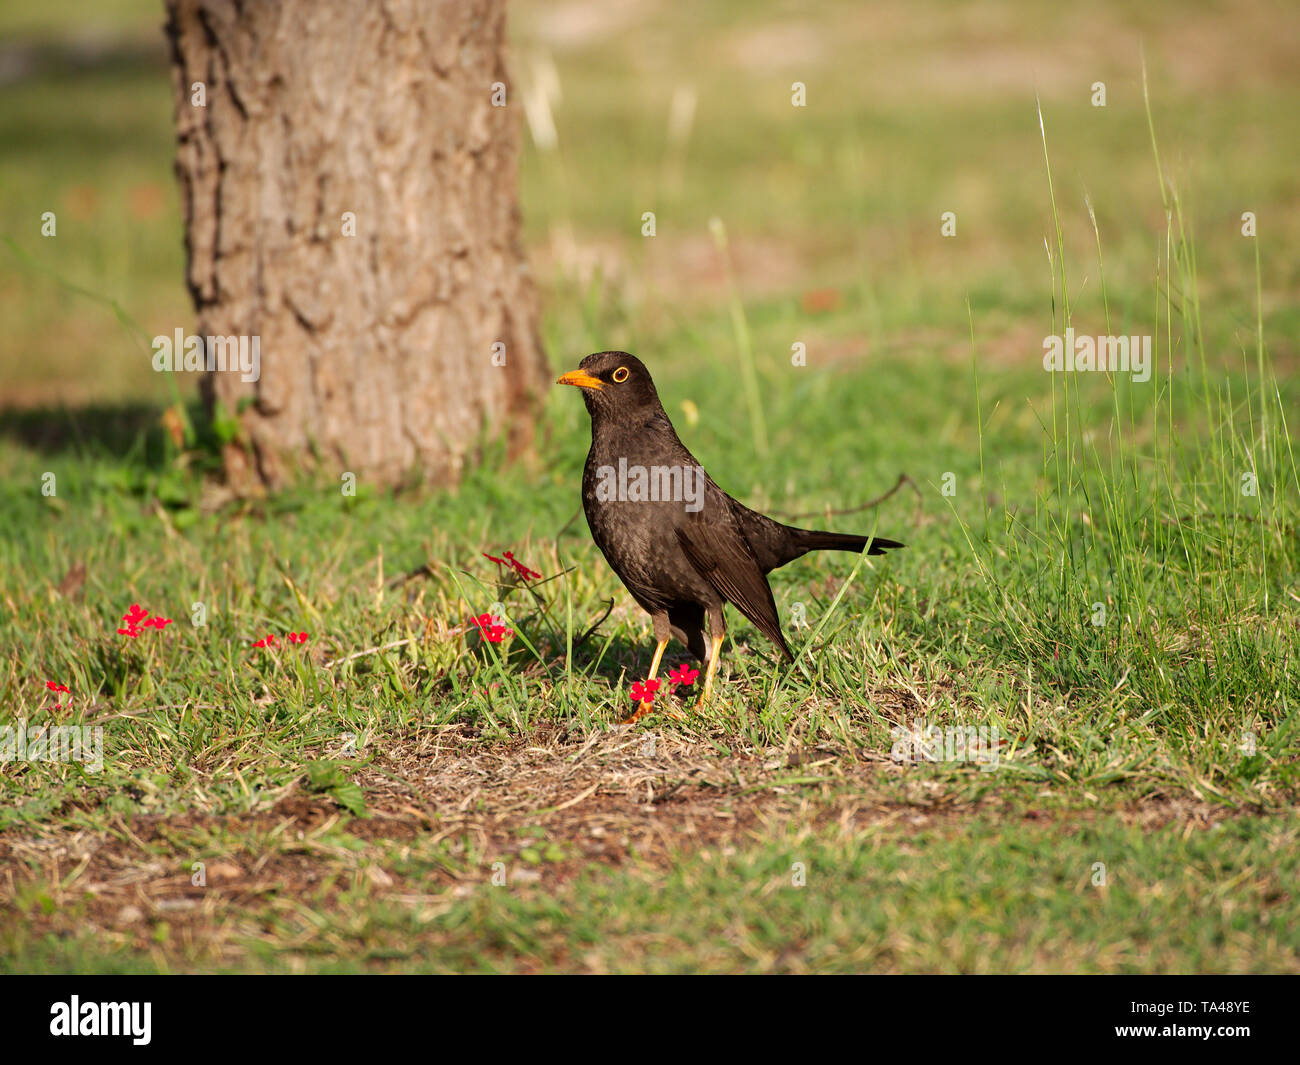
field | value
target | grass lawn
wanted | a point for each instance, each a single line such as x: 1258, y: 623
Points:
x: 1101, y: 572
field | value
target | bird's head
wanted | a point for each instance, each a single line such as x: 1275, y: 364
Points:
x: 614, y: 384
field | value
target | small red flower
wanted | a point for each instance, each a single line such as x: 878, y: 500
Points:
x: 523, y: 571
x: 269, y: 639
x: 489, y: 630
x: 55, y: 686
x: 644, y: 692
x: 683, y: 674
x: 137, y: 619
x: 510, y: 560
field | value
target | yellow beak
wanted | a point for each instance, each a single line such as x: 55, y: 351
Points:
x: 582, y: 379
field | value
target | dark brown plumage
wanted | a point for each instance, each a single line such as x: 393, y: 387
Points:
x: 677, y: 541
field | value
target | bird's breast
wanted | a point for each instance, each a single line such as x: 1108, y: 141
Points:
x: 634, y: 510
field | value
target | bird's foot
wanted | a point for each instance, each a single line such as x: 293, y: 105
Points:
x: 643, y: 709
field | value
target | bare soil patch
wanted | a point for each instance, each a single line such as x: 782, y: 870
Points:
x: 604, y: 798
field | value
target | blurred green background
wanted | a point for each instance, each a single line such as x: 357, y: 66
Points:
x: 833, y: 210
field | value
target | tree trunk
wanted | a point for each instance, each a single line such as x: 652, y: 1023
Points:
x: 381, y: 351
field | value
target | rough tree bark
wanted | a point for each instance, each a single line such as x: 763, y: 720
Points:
x: 377, y: 350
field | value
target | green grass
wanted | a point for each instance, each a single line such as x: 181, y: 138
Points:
x: 1108, y: 896
x: 1094, y: 582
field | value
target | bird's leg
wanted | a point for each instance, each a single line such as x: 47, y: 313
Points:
x: 717, y: 630
x: 714, y: 654
x: 647, y: 705
x: 659, y: 653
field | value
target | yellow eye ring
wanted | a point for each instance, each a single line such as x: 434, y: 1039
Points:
x: 620, y: 375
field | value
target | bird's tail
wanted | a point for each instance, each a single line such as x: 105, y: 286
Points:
x: 815, y: 540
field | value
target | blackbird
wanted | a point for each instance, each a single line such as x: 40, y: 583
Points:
x: 677, y: 541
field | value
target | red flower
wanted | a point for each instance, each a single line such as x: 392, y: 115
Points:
x: 489, y: 630
x: 269, y: 639
x: 522, y: 570
x: 510, y: 560
x: 133, y: 618
x: 683, y: 674
x: 55, y: 686
x: 645, y: 692
x: 137, y: 619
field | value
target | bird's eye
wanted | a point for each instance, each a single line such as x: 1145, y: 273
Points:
x: 620, y: 375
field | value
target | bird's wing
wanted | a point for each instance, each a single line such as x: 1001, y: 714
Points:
x: 722, y: 556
